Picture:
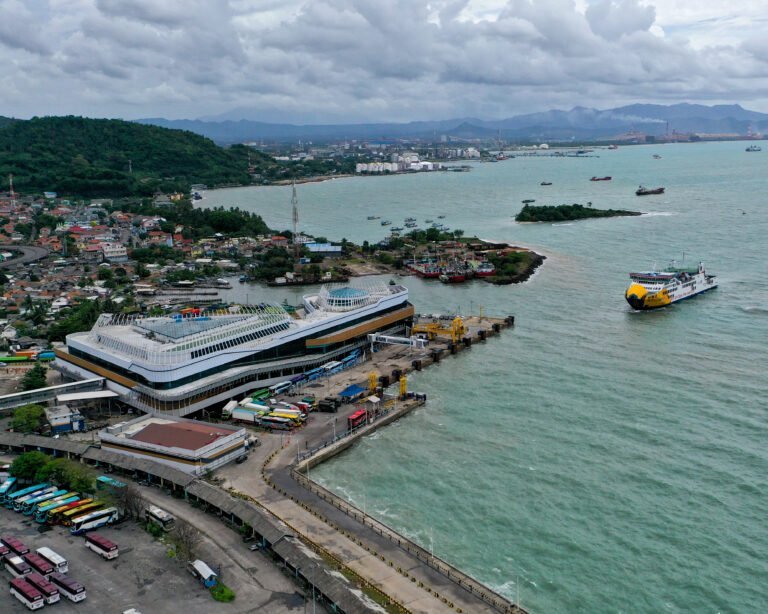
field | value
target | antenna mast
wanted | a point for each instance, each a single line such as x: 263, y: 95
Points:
x: 13, y: 194
x: 295, y: 206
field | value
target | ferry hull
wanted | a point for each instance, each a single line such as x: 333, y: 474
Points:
x: 641, y: 299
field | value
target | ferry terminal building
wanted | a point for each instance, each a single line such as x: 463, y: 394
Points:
x: 179, y: 365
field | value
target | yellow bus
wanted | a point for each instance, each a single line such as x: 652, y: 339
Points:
x: 54, y: 514
x: 66, y: 517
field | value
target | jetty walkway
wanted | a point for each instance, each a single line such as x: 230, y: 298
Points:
x: 407, y: 575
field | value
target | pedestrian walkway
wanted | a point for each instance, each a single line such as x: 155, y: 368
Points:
x: 396, y: 573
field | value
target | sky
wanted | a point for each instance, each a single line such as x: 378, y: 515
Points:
x: 345, y: 61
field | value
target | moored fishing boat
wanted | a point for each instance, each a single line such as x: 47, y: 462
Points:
x: 449, y: 276
x: 654, y: 289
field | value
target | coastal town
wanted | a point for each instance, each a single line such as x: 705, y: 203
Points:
x: 116, y: 329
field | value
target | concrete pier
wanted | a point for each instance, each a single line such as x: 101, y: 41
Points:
x: 401, y: 572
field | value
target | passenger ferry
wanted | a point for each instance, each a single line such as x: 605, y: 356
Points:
x: 654, y: 289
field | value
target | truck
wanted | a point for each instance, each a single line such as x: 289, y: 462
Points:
x: 244, y: 414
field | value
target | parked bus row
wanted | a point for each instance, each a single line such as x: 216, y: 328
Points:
x: 38, y: 578
x: 52, y: 505
x: 330, y: 368
x: 28, y: 356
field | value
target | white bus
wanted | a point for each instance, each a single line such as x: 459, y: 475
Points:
x: 280, y: 388
x: 71, y: 589
x: 102, y: 546
x: 159, y: 517
x: 94, y: 520
x: 59, y: 562
x: 27, y: 594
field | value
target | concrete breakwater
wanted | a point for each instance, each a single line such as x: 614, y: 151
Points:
x: 301, y: 473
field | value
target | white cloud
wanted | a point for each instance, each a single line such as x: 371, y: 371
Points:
x: 355, y: 60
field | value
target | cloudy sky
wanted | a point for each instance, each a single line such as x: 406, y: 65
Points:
x: 326, y: 61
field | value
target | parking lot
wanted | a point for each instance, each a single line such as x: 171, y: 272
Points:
x: 145, y: 578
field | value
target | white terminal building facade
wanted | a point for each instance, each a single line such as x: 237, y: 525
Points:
x: 178, y: 365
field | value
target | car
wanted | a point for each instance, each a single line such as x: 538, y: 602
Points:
x: 254, y: 547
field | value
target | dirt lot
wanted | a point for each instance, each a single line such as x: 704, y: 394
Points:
x: 143, y: 577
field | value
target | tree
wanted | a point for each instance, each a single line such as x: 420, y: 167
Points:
x: 129, y: 500
x: 186, y: 538
x: 105, y: 273
x: 68, y: 474
x: 142, y: 271
x: 25, y: 466
x: 28, y: 419
x: 34, y: 378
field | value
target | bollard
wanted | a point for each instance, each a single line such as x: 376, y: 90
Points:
x: 496, y: 327
x: 417, y: 365
x: 482, y: 334
x: 467, y: 341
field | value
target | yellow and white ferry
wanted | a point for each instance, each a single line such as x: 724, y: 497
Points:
x: 654, y: 289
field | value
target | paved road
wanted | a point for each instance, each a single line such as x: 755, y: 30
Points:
x: 29, y: 253
x: 246, y: 478
x: 259, y: 584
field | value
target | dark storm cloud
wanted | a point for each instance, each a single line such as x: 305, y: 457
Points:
x: 366, y: 59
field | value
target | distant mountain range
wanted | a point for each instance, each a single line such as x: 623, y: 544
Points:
x: 580, y: 123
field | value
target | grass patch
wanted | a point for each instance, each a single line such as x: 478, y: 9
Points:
x: 221, y: 592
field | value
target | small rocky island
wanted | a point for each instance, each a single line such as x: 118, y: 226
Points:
x: 565, y: 213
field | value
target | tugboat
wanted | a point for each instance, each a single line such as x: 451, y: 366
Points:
x: 654, y: 289
x: 642, y: 191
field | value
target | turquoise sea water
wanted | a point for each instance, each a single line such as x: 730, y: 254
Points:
x: 593, y: 458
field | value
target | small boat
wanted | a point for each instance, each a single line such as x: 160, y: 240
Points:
x: 396, y: 229
x: 656, y: 157
x: 546, y: 183
x: 410, y: 219
x: 385, y: 222
x: 601, y: 178
x: 428, y: 221
x: 374, y: 217
x: 754, y: 148
x: 613, y: 146
x: 440, y: 217
x: 485, y: 269
x: 654, y: 289
x: 452, y: 277
x: 410, y: 224
x: 222, y: 283
x: 528, y: 201
x: 641, y: 191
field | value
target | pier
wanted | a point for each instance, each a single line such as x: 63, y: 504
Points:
x: 405, y: 575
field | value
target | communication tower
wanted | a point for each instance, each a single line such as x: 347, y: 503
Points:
x: 295, y: 206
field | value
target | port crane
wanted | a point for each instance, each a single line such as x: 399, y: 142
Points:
x: 456, y: 331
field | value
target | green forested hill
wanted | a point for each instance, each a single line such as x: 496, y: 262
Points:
x: 78, y: 156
